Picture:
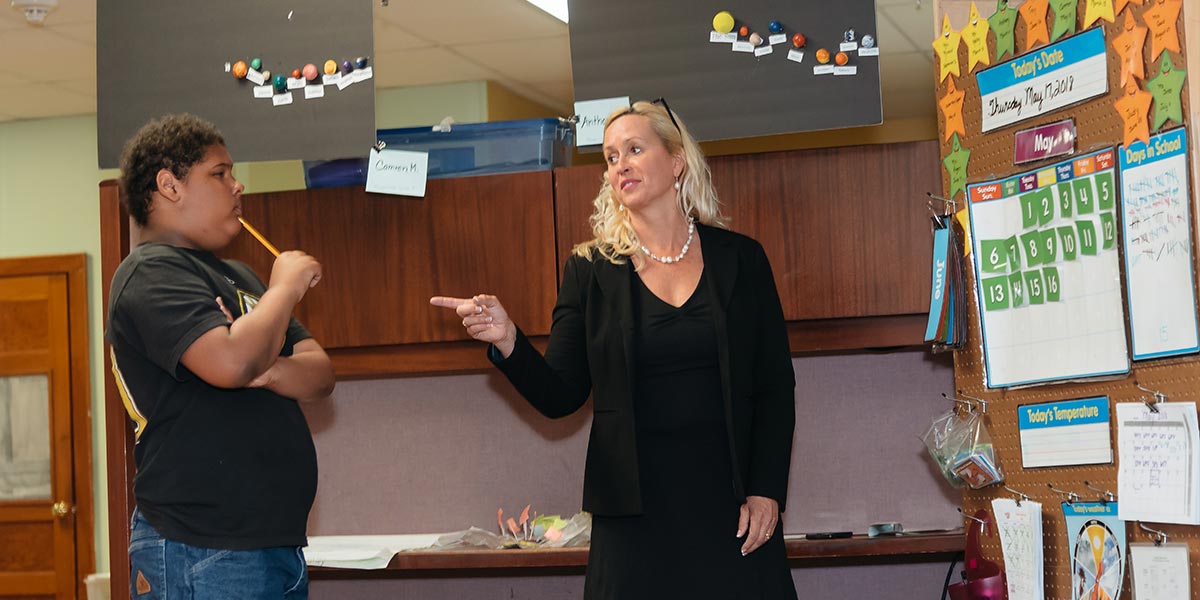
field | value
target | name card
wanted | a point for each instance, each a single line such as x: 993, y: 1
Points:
x: 823, y: 70
x: 255, y: 77
x: 1045, y: 80
x: 763, y: 50
x: 314, y: 91
x: 263, y: 91
x: 295, y: 83
x: 589, y: 129
x: 722, y: 38
x: 281, y: 99
x: 742, y: 47
x: 1052, y: 139
x: 795, y: 55
x: 849, y: 70
x: 778, y: 38
x: 397, y: 172
x: 331, y: 79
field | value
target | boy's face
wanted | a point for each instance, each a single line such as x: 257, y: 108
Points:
x: 212, y: 200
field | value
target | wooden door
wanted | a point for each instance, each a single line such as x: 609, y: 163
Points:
x: 40, y: 501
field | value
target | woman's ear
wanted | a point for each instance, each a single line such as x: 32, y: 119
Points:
x: 677, y: 165
x: 168, y: 185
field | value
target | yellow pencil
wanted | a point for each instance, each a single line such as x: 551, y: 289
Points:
x: 258, y: 236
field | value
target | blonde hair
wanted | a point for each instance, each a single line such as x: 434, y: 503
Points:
x: 615, y: 238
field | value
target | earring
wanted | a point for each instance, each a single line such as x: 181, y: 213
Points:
x: 620, y: 207
x: 677, y: 183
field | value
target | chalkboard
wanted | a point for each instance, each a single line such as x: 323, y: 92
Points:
x: 647, y: 50
x: 155, y: 57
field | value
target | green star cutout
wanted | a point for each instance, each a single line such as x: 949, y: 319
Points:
x: 1166, y: 88
x: 1002, y: 23
x: 956, y: 166
x: 1064, y: 18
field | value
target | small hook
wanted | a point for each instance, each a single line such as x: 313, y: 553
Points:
x: 1105, y: 495
x: 969, y: 405
x: 1159, y: 397
x: 983, y: 403
x: 1020, y: 495
x: 982, y: 523
x: 380, y: 145
x: 951, y: 203
x: 1072, y: 497
x: 1160, y: 537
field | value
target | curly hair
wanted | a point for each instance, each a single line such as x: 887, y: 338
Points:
x: 615, y: 240
x: 172, y: 142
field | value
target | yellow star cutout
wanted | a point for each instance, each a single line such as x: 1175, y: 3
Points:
x: 951, y: 106
x: 975, y: 35
x: 946, y: 47
x: 1033, y: 12
x: 1162, y: 19
x: 1097, y: 9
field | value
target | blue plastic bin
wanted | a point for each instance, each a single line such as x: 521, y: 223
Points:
x: 466, y: 150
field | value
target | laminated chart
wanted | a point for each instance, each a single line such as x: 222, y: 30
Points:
x: 1047, y: 273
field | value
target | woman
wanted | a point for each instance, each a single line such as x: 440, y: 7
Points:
x: 675, y: 327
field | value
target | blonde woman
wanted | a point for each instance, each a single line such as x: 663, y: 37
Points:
x: 673, y: 325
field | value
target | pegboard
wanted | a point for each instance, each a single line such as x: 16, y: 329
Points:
x: 1098, y: 126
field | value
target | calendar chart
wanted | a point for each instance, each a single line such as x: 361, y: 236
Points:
x: 1047, y: 272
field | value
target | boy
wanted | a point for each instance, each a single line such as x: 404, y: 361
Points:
x: 211, y: 365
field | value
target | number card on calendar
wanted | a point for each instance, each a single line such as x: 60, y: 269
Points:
x: 1158, y: 246
x: 1047, y: 273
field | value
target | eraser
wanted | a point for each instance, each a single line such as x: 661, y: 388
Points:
x: 878, y: 529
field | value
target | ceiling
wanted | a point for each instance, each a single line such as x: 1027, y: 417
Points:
x: 422, y: 42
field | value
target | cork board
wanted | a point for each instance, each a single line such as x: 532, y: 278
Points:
x: 1098, y: 126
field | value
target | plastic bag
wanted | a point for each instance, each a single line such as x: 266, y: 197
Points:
x: 962, y: 448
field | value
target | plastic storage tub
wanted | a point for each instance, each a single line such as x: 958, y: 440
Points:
x: 466, y: 150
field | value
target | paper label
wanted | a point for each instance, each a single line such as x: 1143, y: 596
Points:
x: 847, y: 70
x: 823, y: 70
x: 263, y: 91
x: 868, y: 51
x: 314, y: 91
x: 722, y: 38
x: 848, y: 46
x: 763, y: 50
x: 345, y: 81
x: 363, y: 74
x: 255, y: 77
x: 795, y: 55
x: 778, y: 38
x: 590, y: 115
x: 331, y: 79
x: 743, y: 47
x: 281, y: 99
x: 399, y: 172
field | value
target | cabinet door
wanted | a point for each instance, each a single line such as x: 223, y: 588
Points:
x: 845, y: 229
x: 385, y: 256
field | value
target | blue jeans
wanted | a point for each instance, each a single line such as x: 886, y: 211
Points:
x: 165, y: 570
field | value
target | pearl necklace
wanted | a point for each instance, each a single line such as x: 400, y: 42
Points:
x: 674, y: 259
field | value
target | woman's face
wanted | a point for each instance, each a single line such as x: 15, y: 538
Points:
x: 640, y: 169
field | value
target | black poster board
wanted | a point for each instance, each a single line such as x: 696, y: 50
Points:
x: 647, y: 50
x: 156, y: 57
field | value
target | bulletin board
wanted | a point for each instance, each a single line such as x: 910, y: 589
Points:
x: 646, y: 50
x: 1099, y: 128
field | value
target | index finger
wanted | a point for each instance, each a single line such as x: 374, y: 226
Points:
x: 447, y: 301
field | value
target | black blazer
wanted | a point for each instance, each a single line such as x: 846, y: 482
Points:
x: 591, y: 350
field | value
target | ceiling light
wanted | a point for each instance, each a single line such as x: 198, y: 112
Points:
x: 35, y: 10
x: 556, y: 8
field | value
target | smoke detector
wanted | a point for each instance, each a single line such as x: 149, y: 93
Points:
x: 35, y: 10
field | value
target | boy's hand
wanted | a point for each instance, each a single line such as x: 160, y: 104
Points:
x: 295, y: 272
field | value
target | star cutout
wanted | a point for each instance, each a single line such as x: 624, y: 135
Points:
x: 956, y: 166
x: 946, y: 47
x: 1064, y: 18
x: 1162, y: 19
x: 975, y: 35
x: 1002, y: 23
x: 951, y: 106
x: 1120, y: 5
x: 1166, y: 89
x: 1033, y: 12
x: 1133, y: 106
x: 1128, y: 46
x: 1097, y: 9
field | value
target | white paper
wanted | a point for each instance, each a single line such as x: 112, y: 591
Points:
x: 295, y: 83
x: 263, y: 91
x: 345, y: 81
x: 399, y: 172
x: 331, y: 79
x: 591, y: 114
x: 868, y: 51
x: 281, y: 99
x: 763, y: 50
x: 361, y: 551
x: 795, y: 55
x: 722, y: 38
x: 1159, y: 463
x: 255, y: 77
x: 743, y: 47
x: 1065, y: 432
x: 846, y: 70
x: 314, y: 91
x: 1160, y: 572
x: 848, y: 46
x: 1020, y: 527
x: 363, y: 74
x: 778, y: 38
x: 1158, y: 246
x: 823, y: 70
